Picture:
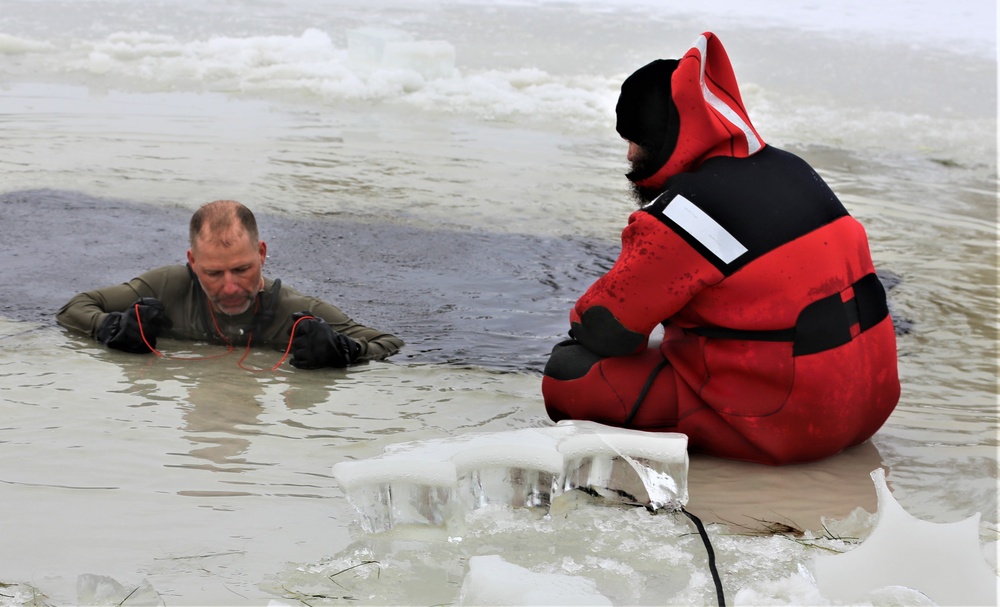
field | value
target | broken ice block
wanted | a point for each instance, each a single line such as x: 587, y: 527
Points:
x: 519, y: 468
x: 381, y: 48
x: 366, y: 46
x: 399, y: 491
x: 429, y: 482
x: 648, y: 468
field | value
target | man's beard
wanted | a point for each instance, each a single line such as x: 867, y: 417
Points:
x: 643, y: 165
x: 238, y: 308
x: 643, y: 196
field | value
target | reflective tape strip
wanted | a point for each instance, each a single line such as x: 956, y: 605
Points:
x: 753, y: 142
x: 704, y: 229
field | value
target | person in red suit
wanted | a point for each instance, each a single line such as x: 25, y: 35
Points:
x: 777, y: 342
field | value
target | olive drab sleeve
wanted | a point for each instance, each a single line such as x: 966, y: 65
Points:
x: 86, y: 311
x: 375, y: 344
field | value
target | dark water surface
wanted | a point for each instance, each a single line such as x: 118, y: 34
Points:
x: 482, y: 299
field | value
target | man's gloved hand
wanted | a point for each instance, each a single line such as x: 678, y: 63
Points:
x: 316, y: 345
x: 120, y: 330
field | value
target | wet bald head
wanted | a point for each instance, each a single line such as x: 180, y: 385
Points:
x: 223, y: 221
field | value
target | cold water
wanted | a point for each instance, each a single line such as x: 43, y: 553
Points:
x: 461, y: 192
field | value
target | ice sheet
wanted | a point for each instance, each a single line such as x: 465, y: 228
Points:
x: 941, y: 560
x: 102, y: 590
x: 433, y: 482
x: 493, y: 581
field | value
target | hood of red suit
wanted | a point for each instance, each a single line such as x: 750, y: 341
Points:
x: 708, y: 109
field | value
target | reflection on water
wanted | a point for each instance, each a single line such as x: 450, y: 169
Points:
x: 219, y: 418
x: 143, y: 467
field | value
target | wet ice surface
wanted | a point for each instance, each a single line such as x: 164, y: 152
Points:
x: 586, y: 541
x: 141, y: 449
x: 441, y: 483
x: 941, y: 561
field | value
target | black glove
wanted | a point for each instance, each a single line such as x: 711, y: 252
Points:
x: 120, y: 330
x: 315, y: 344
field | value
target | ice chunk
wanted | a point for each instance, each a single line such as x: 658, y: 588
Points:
x: 508, y: 469
x: 435, y: 481
x: 941, y: 560
x: 419, y: 467
x: 429, y: 58
x: 385, y: 505
x: 493, y: 581
x: 429, y: 482
x: 636, y: 467
x: 366, y: 46
x: 383, y: 48
x: 103, y: 590
x: 410, y: 490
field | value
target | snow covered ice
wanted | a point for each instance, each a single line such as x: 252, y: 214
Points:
x: 493, y: 581
x: 941, y: 560
x: 372, y: 48
x: 94, y: 589
x: 433, y: 482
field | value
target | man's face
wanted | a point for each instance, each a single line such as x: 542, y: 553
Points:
x: 640, y: 160
x: 230, y: 275
x: 635, y: 152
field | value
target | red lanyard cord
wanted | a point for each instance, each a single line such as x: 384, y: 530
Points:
x: 142, y: 333
x: 288, y: 348
x: 229, y: 344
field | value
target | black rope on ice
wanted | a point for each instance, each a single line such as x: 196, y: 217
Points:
x: 711, y: 556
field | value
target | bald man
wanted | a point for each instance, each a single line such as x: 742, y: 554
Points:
x: 222, y: 296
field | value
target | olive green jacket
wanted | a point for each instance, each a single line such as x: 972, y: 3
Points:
x: 265, y: 323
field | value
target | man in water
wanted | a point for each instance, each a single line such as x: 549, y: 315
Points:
x: 222, y: 296
x: 777, y: 344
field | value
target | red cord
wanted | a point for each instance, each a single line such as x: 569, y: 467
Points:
x: 291, y: 336
x: 229, y: 344
x: 142, y: 333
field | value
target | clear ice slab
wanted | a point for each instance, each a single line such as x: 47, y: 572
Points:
x: 435, y: 482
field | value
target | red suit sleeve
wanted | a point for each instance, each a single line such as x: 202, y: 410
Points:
x: 656, y: 274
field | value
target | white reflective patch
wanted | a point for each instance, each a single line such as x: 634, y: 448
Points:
x: 704, y: 229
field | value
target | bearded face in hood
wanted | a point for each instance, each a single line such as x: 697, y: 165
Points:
x: 642, y: 161
x: 648, y: 118
x: 682, y: 112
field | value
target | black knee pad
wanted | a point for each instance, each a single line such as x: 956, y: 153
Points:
x: 570, y: 360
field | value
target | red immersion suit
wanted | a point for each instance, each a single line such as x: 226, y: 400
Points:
x: 778, y: 346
